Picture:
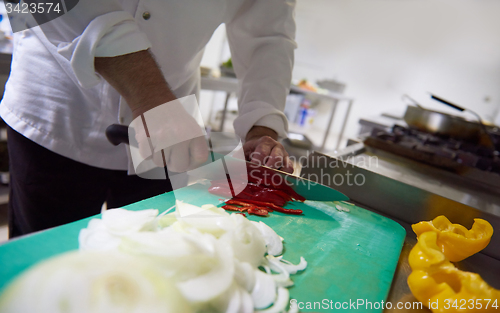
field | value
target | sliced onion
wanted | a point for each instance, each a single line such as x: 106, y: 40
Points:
x: 207, y: 219
x: 277, y: 262
x: 93, y: 282
x: 167, y: 220
x: 264, y: 292
x: 166, y: 243
x: 210, y: 256
x: 234, y: 304
x: 210, y: 285
x: 280, y: 304
x: 246, y: 302
x: 121, y: 221
x: 235, y: 300
x: 274, y: 242
x: 246, y: 241
x: 96, y: 238
x: 228, y: 302
x: 244, y: 275
x: 283, y: 278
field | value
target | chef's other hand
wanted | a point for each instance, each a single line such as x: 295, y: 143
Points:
x: 261, y: 147
x: 176, y: 137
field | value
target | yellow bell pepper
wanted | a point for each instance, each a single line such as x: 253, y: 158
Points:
x: 440, y: 286
x: 456, y: 241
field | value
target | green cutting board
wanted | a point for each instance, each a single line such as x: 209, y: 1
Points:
x: 351, y: 255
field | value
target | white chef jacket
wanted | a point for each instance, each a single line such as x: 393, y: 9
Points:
x: 55, y: 98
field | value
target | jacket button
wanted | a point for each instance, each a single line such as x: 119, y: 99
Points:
x: 146, y: 15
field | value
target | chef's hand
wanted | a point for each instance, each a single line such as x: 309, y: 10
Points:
x: 261, y: 147
x: 177, y: 138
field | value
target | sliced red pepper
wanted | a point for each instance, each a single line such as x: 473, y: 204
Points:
x: 260, y: 197
x: 260, y: 203
x: 273, y: 206
x: 267, y: 190
x: 264, y: 176
x: 262, y: 194
x: 280, y: 193
x: 289, y: 192
x: 289, y: 211
x: 234, y: 208
x: 264, y: 198
x: 245, y: 203
x: 296, y: 196
x: 237, y: 202
x: 283, y: 194
x: 257, y: 211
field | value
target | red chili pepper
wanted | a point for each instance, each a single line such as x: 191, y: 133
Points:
x: 246, y: 203
x: 289, y: 192
x: 263, y: 204
x: 234, y: 208
x: 276, y: 192
x: 257, y: 211
x: 283, y: 194
x: 266, y: 194
x: 256, y: 198
x: 275, y: 207
x: 289, y: 211
x: 237, y: 202
x: 261, y: 197
x: 267, y: 177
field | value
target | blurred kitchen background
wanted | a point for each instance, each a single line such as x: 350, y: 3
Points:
x: 355, y: 61
x: 382, y: 49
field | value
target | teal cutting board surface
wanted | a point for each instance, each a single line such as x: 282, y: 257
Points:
x: 351, y: 255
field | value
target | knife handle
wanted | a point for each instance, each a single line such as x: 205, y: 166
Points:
x: 117, y: 134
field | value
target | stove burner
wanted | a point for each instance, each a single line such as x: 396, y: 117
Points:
x: 444, y: 152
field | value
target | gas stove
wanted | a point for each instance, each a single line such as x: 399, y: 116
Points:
x: 479, y: 163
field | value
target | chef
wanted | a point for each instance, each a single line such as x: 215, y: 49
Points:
x: 106, y: 62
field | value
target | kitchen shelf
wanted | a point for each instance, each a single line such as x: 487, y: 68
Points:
x: 230, y: 85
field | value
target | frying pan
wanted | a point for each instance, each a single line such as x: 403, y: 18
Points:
x: 443, y: 124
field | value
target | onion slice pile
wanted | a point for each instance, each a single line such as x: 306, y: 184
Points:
x: 191, y: 260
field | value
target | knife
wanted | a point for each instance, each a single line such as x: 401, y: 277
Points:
x: 310, y: 190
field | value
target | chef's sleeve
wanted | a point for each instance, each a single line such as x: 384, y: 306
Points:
x: 262, y: 42
x: 94, y: 28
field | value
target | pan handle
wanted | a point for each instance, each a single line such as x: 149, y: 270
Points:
x: 117, y: 134
x: 479, y: 119
x: 448, y: 103
x: 413, y: 101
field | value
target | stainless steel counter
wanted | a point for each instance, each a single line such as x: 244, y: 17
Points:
x: 438, y: 181
x: 405, y: 194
